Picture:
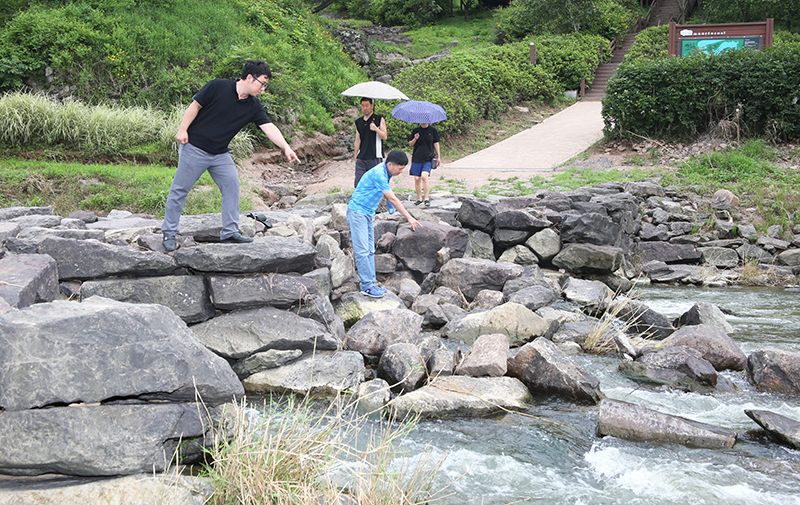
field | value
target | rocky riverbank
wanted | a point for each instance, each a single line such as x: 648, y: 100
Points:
x: 109, y: 343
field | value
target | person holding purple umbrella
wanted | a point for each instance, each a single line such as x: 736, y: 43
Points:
x: 425, y: 141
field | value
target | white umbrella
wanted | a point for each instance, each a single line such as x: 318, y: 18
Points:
x: 375, y: 89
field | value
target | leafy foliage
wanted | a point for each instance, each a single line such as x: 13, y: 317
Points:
x: 607, y: 18
x: 785, y: 13
x: 754, y: 92
x: 650, y: 43
x: 469, y: 87
x: 396, y: 12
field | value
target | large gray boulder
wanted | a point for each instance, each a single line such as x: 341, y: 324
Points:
x: 534, y: 297
x: 527, y: 219
x: 90, y: 259
x: 488, y: 357
x: 712, y: 342
x: 722, y: 257
x: 477, y: 214
x: 241, y: 333
x: 461, y: 395
x: 143, y: 488
x: 705, y: 313
x: 100, y: 440
x: 186, y: 295
x: 471, y: 275
x: 26, y: 279
x: 634, y: 422
x: 402, y: 366
x: 591, y: 228
x: 206, y: 227
x: 545, y: 243
x: 9, y: 213
x: 668, y: 253
x: 517, y: 322
x: 417, y: 249
x: 64, y: 352
x: 589, y: 258
x: 264, y: 254
x: 354, y: 306
x: 775, y: 370
x: 276, y: 290
x: 679, y: 367
x: 318, y: 373
x: 781, y: 428
x: 642, y: 319
x: 590, y: 295
x: 379, y: 329
x: 546, y: 370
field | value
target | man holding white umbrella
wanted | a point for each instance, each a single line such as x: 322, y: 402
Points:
x: 370, y: 134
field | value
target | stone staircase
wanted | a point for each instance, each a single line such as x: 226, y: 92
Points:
x: 606, y: 70
x: 662, y: 12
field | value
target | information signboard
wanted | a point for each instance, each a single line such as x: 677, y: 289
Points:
x: 715, y: 39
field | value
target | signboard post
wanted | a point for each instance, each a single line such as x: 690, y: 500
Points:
x: 714, y: 39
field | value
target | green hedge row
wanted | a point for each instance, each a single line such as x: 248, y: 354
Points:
x: 754, y: 92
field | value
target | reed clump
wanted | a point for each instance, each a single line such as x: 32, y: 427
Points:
x: 295, y: 452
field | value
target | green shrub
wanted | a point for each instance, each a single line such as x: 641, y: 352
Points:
x: 396, y: 12
x: 650, y: 43
x: 474, y: 86
x: 569, y: 58
x: 754, y: 92
x: 607, y: 18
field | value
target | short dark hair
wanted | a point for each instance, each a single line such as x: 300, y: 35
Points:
x: 366, y: 99
x: 256, y: 68
x: 397, y: 157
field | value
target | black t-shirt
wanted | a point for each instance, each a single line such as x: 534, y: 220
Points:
x: 222, y: 115
x: 371, y: 144
x: 423, y: 148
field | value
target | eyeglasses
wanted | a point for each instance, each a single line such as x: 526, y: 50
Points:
x: 262, y: 83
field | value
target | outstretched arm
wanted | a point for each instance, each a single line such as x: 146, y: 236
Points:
x: 392, y: 198
x: 275, y: 135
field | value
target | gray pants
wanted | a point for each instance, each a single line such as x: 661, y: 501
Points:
x: 192, y: 162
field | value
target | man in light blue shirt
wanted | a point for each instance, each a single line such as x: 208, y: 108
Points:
x: 373, y: 186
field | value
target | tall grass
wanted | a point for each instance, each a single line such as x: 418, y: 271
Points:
x: 296, y: 453
x: 32, y: 120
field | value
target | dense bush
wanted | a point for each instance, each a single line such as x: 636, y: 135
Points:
x: 785, y: 13
x: 160, y: 52
x: 569, y: 58
x: 475, y: 86
x: 396, y: 12
x: 754, y: 93
x: 650, y: 43
x: 607, y: 18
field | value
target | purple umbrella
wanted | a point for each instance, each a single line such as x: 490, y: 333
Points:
x: 419, y: 112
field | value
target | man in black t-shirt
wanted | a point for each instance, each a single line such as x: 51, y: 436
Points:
x: 217, y: 113
x: 370, y: 134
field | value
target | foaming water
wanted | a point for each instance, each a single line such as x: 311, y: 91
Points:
x: 552, y: 454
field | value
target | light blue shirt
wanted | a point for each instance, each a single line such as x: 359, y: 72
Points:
x: 370, y: 190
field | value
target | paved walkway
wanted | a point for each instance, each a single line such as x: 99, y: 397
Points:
x: 543, y: 147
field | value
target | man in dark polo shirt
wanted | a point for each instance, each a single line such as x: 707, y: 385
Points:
x: 217, y: 113
x: 370, y: 134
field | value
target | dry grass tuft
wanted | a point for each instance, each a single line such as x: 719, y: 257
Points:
x: 295, y: 452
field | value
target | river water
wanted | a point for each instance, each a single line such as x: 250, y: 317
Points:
x: 519, y: 459
x: 552, y: 454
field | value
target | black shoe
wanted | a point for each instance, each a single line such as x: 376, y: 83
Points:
x: 236, y: 238
x: 261, y: 218
x: 418, y: 202
x: 427, y: 203
x: 169, y: 242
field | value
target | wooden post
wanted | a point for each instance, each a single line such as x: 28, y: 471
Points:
x: 533, y: 54
x: 583, y: 87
